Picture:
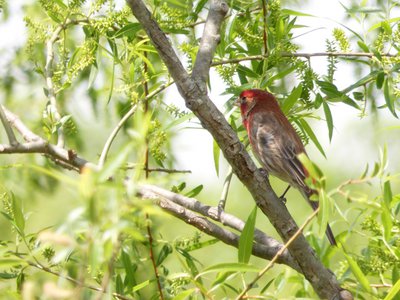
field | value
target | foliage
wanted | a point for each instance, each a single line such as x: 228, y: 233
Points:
x: 85, y: 64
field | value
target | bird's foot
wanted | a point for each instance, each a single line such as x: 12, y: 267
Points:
x: 264, y: 172
x: 283, y: 199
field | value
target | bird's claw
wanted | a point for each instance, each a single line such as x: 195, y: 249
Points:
x: 283, y: 199
x: 264, y: 172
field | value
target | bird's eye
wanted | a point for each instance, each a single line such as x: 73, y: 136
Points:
x: 243, y: 99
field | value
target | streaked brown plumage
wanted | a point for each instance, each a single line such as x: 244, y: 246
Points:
x: 275, y: 143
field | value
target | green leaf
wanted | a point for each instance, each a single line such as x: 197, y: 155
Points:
x: 380, y: 78
x: 387, y: 193
x: 229, y: 267
x: 295, y: 13
x: 389, y: 98
x: 394, y: 291
x: 216, y: 155
x: 246, y: 238
x: 383, y: 23
x: 115, y: 163
x: 311, y: 135
x: 11, y: 262
x: 291, y: 99
x: 195, y: 191
x: 165, y: 251
x: 140, y: 285
x: 129, y: 269
x: 361, y: 278
x: 184, y: 295
x: 129, y: 30
x: 363, y: 46
x: 329, y: 120
x: 335, y: 95
x: 18, y: 215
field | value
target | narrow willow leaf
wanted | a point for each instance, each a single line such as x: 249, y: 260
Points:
x: 129, y: 270
x: 184, y: 295
x: 295, y: 13
x: 389, y: 99
x: 195, y: 191
x: 115, y: 163
x: 387, y: 223
x: 394, y: 291
x: 311, y: 135
x: 18, y: 215
x: 380, y: 78
x: 329, y: 120
x: 140, y: 285
x: 381, y: 24
x: 363, y: 46
x: 291, y: 99
x: 129, y: 30
x: 229, y: 267
x: 246, y: 238
x: 387, y: 193
x: 362, y: 279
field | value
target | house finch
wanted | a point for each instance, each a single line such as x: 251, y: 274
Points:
x: 275, y: 143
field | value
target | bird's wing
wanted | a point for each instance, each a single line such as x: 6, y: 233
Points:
x: 276, y: 151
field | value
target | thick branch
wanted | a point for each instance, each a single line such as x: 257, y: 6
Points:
x: 322, y: 280
x: 209, y: 42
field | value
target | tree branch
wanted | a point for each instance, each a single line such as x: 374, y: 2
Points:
x: 264, y: 246
x: 181, y: 206
x: 322, y: 280
x: 299, y: 54
x: 209, y: 42
x: 10, y: 133
x: 36, y: 144
x: 48, y: 71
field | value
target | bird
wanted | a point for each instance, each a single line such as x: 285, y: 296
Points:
x: 275, y: 143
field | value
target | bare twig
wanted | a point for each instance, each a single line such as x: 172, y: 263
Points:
x: 36, y: 144
x: 10, y: 133
x: 265, y: 29
x: 124, y: 119
x: 48, y: 71
x: 225, y: 189
x: 209, y: 42
x: 279, y: 253
x: 299, y: 54
x: 74, y: 281
x: 113, y: 134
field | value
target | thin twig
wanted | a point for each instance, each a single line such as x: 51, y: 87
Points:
x: 7, y: 127
x: 225, y: 189
x: 265, y: 32
x: 300, y: 54
x: 76, y: 282
x: 146, y: 166
x: 125, y: 118
x: 279, y: 253
x: 113, y: 134
x: 48, y: 71
x: 162, y: 170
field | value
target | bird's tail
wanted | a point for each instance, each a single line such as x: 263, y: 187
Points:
x: 328, y: 232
